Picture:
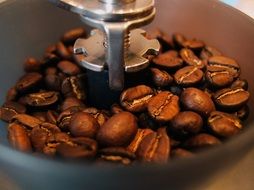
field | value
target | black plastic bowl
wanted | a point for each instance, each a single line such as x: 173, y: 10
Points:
x: 29, y: 26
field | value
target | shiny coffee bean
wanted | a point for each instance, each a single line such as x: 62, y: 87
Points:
x: 208, y: 52
x: 80, y: 148
x: 195, y: 45
x: 72, y: 35
x: 135, y: 99
x: 69, y: 68
x: 63, y: 51
x: 53, y: 82
x: 51, y: 116
x: 191, y: 59
x: 116, y: 155
x: 164, y: 106
x: 168, y: 60
x: 146, y: 121
x: 83, y: 125
x: 119, y: 130
x: 154, y: 147
x: 18, y: 137
x: 10, y: 109
x: 231, y: 98
x: 240, y: 84
x: 100, y: 116
x: 161, y: 78
x: 201, y: 141
x: 71, y: 102
x: 32, y: 65
x: 243, y: 113
x: 198, y: 101
x: 41, y: 99
x: 51, y: 49
x: 116, y: 108
x: 223, y: 124
x: 186, y: 123
x: 141, y: 134
x: 181, y: 153
x: 227, y: 63
x: 73, y: 87
x: 179, y: 40
x: 188, y: 76
x: 51, y: 71
x: 40, y: 115
x: 218, y: 77
x: 27, y: 121
x: 29, y: 81
x: 12, y: 94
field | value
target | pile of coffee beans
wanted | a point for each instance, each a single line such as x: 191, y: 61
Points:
x: 194, y: 99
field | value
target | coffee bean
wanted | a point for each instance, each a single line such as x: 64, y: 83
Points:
x: 194, y: 45
x: 51, y: 116
x: 50, y: 59
x: 179, y: 40
x: 188, y: 76
x: 227, y: 63
x: 116, y: 155
x: 135, y: 99
x: 181, y: 153
x: 231, y: 98
x: 164, y: 106
x: 40, y: 115
x: 201, y: 141
x: 208, y: 52
x: 161, y: 78
x: 100, y: 116
x: 73, y: 87
x: 69, y: 68
x: 12, y: 94
x: 83, y: 125
x: 72, y: 35
x: 243, y: 113
x: 198, y: 101
x: 71, y: 102
x: 223, y: 124
x: 51, y: 49
x: 18, y: 137
x: 240, y: 84
x: 41, y: 99
x: 176, y: 90
x: 10, y: 109
x: 187, y: 123
x: 53, y: 82
x: 146, y: 121
x: 155, y: 147
x: 51, y: 71
x: 26, y: 120
x: 168, y: 60
x: 116, y: 108
x: 62, y: 51
x: 191, y: 59
x: 141, y: 134
x: 80, y: 148
x: 119, y: 130
x: 28, y: 81
x: 32, y: 65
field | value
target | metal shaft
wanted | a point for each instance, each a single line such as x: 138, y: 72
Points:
x: 116, y: 1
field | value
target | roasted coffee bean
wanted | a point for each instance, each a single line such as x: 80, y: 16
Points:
x: 116, y: 108
x: 223, y: 124
x: 218, y: 77
x: 71, y: 102
x: 119, y: 130
x: 141, y: 134
x: 53, y: 82
x: 227, y: 63
x: 51, y: 117
x: 164, y: 106
x: 208, y: 52
x: 40, y: 115
x: 72, y: 35
x: 40, y: 134
x: 64, y: 118
x: 100, y: 116
x: 181, y: 153
x: 243, y: 113
x: 191, y: 59
x: 32, y: 65
x: 168, y: 60
x: 194, y: 45
x: 50, y: 59
x: 240, y: 84
x: 26, y: 120
x: 51, y: 71
x: 116, y: 155
x: 198, y: 101
x: 10, y: 109
x: 146, y: 121
x: 63, y: 51
x: 188, y: 76
x: 176, y: 90
x: 135, y: 99
x: 73, y: 87
x: 187, y: 123
x: 69, y: 68
x: 155, y: 147
x: 28, y: 81
x: 51, y: 49
x: 80, y: 148
x: 161, y: 78
x: 231, y: 98
x: 12, y: 94
x: 201, y: 141
x: 173, y: 142
x: 83, y: 125
x: 179, y: 40
x: 41, y: 99
x: 18, y: 137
